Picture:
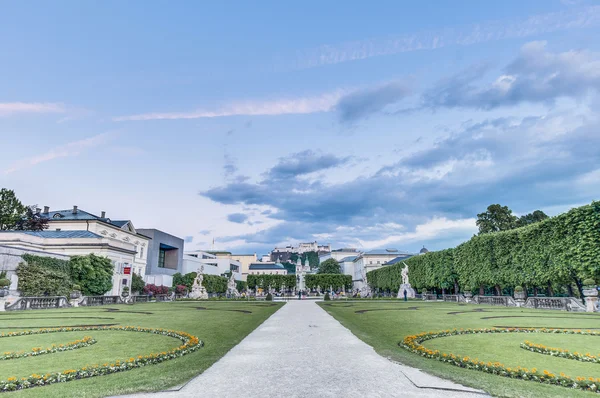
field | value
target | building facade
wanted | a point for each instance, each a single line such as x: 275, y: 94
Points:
x: 266, y: 268
x: 339, y: 254
x: 213, y: 265
x: 372, y: 260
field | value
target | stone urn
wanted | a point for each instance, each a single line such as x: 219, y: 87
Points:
x: 590, y: 291
x: 520, y: 295
x: 468, y: 296
x: 75, y: 294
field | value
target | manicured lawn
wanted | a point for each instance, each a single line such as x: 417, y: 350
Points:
x: 384, y: 324
x: 221, y: 325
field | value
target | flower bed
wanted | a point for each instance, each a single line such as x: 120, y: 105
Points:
x: 73, y: 345
x: 413, y: 343
x: 190, y: 344
x: 559, y: 352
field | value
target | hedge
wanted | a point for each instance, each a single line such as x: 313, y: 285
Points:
x: 275, y: 281
x: 559, y: 251
x: 35, y: 280
x: 324, y: 281
x: 212, y: 283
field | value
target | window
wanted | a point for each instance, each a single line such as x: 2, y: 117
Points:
x: 141, y: 252
x: 124, y: 282
x: 161, y: 258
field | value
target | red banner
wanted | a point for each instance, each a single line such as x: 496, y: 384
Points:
x: 127, y: 270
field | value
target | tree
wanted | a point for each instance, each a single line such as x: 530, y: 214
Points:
x: 31, y: 221
x: 11, y: 209
x: 137, y: 283
x: 496, y: 218
x: 312, y: 257
x: 531, y: 218
x: 329, y: 266
x: 93, y: 273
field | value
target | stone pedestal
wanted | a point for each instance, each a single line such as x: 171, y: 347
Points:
x: 2, y: 304
x: 468, y: 297
x: 199, y: 292
x: 591, y: 299
x: 520, y: 299
x: 410, y: 292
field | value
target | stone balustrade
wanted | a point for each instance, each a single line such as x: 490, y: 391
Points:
x: 555, y: 303
x: 38, y: 303
x: 506, y: 301
x: 90, y: 301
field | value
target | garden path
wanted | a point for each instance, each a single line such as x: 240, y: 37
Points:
x: 301, y: 351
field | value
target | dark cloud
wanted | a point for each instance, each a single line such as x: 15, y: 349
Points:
x: 304, y: 162
x: 188, y: 239
x: 524, y: 163
x: 535, y: 76
x: 362, y: 103
x: 205, y: 232
x: 238, y: 218
x: 230, y: 167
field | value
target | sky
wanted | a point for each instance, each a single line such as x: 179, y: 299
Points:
x: 258, y: 124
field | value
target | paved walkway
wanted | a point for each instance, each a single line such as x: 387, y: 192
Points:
x: 301, y: 351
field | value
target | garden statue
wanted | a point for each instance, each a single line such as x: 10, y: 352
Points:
x: 198, y: 290
x: 365, y: 290
x: 406, y: 290
x: 232, y: 288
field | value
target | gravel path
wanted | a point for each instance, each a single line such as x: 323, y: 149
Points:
x: 301, y: 351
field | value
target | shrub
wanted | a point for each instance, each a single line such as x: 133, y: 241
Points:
x: 76, y: 288
x: 93, y: 273
x: 327, y: 297
x: 269, y: 297
x: 4, y: 283
x: 589, y: 282
x: 137, y: 283
x: 35, y: 280
x: 154, y: 290
x: 518, y: 289
x: 181, y: 289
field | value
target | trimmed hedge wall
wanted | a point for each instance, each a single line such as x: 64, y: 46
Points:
x: 275, y: 281
x: 559, y: 251
x: 324, y: 281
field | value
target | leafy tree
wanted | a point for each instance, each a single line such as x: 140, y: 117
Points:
x: 93, y: 273
x: 31, y: 221
x: 137, y: 283
x: 291, y: 268
x: 11, y: 209
x: 186, y: 280
x: 313, y: 259
x: 336, y: 281
x: 496, y: 218
x: 531, y: 218
x: 329, y: 266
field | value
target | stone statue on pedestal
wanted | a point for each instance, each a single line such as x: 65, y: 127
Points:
x: 232, y: 288
x: 406, y: 290
x: 365, y: 290
x: 199, y: 291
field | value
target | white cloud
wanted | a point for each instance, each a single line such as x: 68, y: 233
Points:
x: 12, y: 108
x: 462, y: 36
x: 66, y: 150
x: 303, y: 105
x: 437, y: 227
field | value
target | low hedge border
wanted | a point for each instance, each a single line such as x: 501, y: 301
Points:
x: 413, y: 344
x: 559, y: 352
x: 73, y: 345
x: 190, y: 344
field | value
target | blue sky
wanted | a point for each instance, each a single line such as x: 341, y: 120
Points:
x: 372, y: 124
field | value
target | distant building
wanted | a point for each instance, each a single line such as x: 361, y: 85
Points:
x: 244, y: 259
x: 372, y: 260
x: 165, y: 257
x: 339, y: 254
x: 284, y: 254
x: 423, y: 250
x: 213, y: 265
x: 266, y: 268
x: 347, y: 265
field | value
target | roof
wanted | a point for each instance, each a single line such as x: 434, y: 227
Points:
x: 424, y: 250
x: 69, y: 215
x: 348, y: 259
x: 119, y: 223
x: 61, y: 234
x: 272, y: 266
x: 398, y: 259
x: 387, y: 252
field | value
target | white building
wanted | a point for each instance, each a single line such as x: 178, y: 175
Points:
x: 347, y: 265
x: 339, y: 254
x: 213, y: 265
x: 61, y: 244
x: 267, y: 268
x: 375, y: 259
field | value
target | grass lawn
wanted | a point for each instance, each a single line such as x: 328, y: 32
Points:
x: 221, y: 325
x: 384, y: 324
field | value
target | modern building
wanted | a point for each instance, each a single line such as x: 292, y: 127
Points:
x: 213, y: 265
x: 64, y: 244
x: 266, y: 268
x: 339, y: 254
x: 372, y: 260
x: 164, y: 257
x: 347, y: 265
x: 245, y: 260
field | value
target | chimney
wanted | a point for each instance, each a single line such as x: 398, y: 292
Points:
x: 74, y: 209
x: 46, y: 209
x: 38, y: 210
x: 103, y: 214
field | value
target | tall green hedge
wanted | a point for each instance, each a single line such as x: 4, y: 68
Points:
x: 275, y: 281
x: 37, y: 280
x: 336, y: 281
x: 559, y: 251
